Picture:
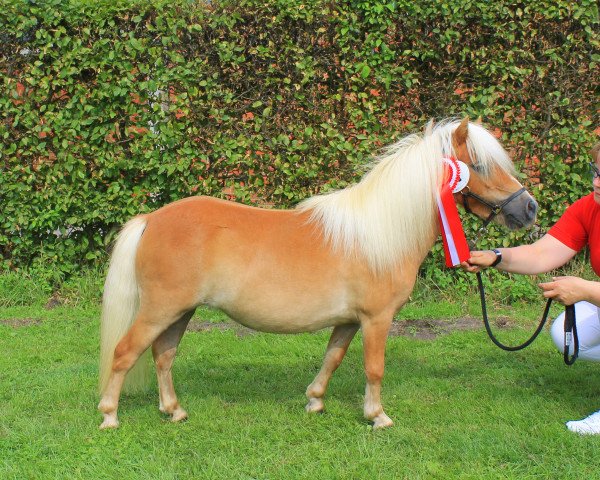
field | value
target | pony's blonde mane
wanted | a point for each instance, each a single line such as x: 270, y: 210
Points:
x: 390, y: 215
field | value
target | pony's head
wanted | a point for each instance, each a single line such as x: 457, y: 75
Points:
x: 493, y: 192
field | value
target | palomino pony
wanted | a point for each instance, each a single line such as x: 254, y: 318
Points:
x: 346, y: 260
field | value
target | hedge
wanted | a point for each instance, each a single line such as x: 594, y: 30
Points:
x: 113, y: 108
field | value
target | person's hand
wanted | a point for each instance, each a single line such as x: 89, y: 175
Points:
x: 565, y: 290
x: 478, y: 261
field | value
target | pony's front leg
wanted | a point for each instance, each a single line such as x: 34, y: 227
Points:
x: 338, y: 344
x: 375, y: 333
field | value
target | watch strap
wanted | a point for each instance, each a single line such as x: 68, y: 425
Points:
x: 498, y: 257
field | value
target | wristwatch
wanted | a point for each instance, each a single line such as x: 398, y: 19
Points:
x: 498, y: 257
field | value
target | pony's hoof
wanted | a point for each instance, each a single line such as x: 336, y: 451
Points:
x: 315, y: 405
x: 109, y: 422
x: 179, y: 415
x: 382, y: 421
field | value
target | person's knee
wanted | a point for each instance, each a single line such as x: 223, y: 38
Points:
x: 588, y: 329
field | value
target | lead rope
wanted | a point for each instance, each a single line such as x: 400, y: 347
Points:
x: 570, y: 328
x: 489, y: 330
x: 570, y: 322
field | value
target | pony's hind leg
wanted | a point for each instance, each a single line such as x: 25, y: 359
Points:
x: 340, y: 339
x: 144, y: 331
x: 164, y: 349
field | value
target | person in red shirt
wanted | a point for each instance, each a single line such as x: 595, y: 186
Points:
x: 579, y: 226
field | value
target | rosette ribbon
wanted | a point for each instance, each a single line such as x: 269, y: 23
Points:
x: 456, y: 248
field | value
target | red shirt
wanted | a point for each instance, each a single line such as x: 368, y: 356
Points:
x: 580, y: 226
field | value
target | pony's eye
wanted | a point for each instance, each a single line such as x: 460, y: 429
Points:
x: 476, y: 167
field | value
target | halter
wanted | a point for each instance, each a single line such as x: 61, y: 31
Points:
x: 459, y: 183
x: 495, y: 209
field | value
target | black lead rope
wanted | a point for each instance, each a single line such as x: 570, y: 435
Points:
x: 570, y: 335
x: 570, y: 328
x: 570, y: 323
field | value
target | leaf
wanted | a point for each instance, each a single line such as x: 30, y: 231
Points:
x: 365, y: 71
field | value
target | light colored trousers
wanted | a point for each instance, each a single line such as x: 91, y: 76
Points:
x: 587, y: 317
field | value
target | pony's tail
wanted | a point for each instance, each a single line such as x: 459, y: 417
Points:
x: 120, y: 304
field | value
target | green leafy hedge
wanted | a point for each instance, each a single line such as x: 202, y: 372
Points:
x: 113, y: 108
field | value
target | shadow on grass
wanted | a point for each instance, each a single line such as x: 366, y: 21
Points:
x: 241, y: 375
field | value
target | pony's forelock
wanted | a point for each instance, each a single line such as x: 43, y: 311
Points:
x: 486, y: 151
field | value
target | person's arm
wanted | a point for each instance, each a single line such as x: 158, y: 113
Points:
x: 542, y: 256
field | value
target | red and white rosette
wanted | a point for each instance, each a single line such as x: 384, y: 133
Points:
x: 456, y: 248
x: 457, y: 173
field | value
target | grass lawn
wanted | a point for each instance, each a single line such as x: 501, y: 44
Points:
x: 462, y: 407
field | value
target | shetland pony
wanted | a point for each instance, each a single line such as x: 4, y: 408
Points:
x: 347, y: 260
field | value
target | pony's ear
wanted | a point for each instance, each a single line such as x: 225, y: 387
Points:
x: 462, y: 131
x: 479, y: 120
x: 429, y: 127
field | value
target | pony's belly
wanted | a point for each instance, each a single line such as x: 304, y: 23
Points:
x: 289, y: 325
x: 282, y: 306
x: 289, y: 320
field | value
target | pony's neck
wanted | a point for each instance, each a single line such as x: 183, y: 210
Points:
x: 390, y: 216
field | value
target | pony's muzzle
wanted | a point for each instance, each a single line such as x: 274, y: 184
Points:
x: 521, y: 213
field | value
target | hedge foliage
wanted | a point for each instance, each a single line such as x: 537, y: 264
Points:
x: 111, y: 108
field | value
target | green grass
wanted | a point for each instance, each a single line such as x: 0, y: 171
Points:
x: 462, y: 408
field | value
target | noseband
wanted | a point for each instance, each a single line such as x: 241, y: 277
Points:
x: 495, y: 209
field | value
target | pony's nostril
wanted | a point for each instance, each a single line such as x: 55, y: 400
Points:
x: 532, y: 207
